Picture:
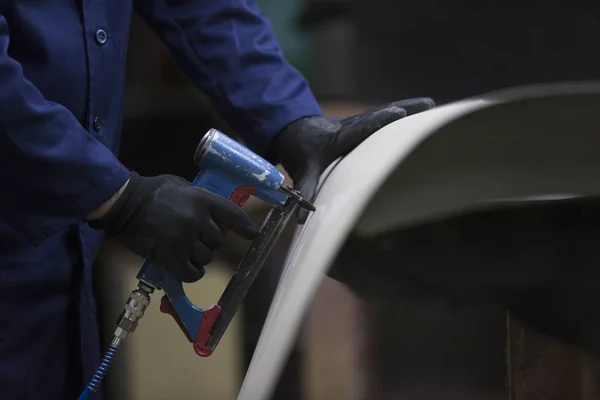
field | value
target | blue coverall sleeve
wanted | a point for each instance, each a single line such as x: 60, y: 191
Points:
x: 52, y: 171
x: 230, y: 51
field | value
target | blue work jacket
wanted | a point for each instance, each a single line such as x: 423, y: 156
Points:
x: 62, y: 67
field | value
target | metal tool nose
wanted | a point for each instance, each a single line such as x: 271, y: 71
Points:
x: 302, y: 202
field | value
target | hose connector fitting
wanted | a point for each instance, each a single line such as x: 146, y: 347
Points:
x: 133, y: 311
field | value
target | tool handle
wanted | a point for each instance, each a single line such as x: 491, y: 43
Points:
x: 193, y: 321
x: 231, y: 171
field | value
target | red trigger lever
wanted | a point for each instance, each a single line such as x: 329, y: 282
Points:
x: 239, y: 197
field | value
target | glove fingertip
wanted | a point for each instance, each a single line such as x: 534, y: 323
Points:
x: 421, y: 101
x: 424, y: 102
x: 397, y: 112
x: 428, y: 102
x: 246, y: 231
x: 232, y: 215
x: 418, y: 105
x: 381, y: 118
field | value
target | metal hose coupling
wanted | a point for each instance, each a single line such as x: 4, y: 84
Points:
x: 133, y: 311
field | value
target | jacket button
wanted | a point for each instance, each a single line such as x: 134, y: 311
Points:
x: 97, y: 124
x: 101, y: 36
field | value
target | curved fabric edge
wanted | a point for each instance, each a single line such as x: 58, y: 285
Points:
x: 339, y: 205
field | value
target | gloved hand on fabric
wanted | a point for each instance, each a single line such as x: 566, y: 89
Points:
x: 169, y: 222
x: 308, y: 146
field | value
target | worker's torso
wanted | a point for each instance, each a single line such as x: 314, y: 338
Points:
x: 74, y: 52
x: 454, y: 49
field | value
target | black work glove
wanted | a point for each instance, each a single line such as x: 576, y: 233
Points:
x: 306, y: 147
x: 173, y: 224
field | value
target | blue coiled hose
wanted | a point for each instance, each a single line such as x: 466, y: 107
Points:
x: 100, y: 372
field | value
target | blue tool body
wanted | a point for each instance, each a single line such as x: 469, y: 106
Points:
x: 230, y: 170
x: 226, y: 166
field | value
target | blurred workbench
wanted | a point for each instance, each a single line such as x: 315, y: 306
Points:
x: 539, y: 367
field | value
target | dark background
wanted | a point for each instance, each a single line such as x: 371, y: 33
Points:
x: 364, y: 53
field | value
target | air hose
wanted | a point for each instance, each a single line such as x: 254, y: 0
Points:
x: 133, y: 311
x: 99, y: 374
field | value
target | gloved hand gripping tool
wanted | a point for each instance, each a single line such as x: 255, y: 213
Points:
x: 230, y: 170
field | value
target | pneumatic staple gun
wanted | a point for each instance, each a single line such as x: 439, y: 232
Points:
x: 230, y: 170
